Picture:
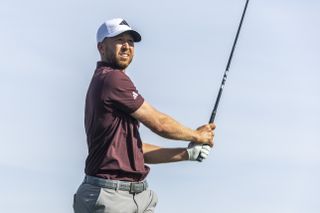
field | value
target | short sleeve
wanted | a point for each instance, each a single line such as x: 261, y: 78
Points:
x: 120, y: 92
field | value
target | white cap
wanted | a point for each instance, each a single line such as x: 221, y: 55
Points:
x: 114, y: 27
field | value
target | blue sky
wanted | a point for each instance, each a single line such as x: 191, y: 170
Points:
x: 266, y: 156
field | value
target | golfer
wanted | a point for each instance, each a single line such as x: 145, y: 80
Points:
x: 115, y: 169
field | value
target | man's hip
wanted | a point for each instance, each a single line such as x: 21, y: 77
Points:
x: 108, y: 196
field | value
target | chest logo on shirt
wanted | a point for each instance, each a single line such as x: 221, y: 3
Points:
x: 135, y: 95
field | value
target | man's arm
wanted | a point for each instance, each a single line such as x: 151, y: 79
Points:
x: 167, y: 127
x: 155, y: 154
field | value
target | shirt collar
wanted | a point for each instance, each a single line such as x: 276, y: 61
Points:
x: 106, y: 64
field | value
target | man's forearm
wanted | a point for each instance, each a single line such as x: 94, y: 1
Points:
x: 172, y: 129
x: 163, y: 124
x: 167, y: 127
x: 155, y: 154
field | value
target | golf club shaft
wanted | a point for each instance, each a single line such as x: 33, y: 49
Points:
x: 214, y: 111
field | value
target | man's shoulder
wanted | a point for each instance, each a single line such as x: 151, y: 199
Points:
x: 115, y: 77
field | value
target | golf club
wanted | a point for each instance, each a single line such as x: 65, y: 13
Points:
x: 225, y: 75
x: 214, y: 111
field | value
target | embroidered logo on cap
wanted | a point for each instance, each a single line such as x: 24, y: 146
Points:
x: 124, y: 23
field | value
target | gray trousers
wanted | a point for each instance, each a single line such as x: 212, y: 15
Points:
x: 94, y: 199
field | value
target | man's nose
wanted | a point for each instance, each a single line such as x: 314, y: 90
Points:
x: 125, y: 45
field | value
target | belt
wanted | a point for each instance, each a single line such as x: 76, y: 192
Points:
x: 132, y: 187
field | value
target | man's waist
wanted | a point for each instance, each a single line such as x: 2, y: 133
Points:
x: 132, y: 187
x: 114, y: 172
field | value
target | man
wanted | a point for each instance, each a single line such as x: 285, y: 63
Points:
x: 115, y: 169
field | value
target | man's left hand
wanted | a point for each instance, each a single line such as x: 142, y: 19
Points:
x: 198, y: 152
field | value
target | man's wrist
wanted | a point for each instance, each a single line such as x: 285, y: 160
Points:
x: 195, y: 136
x: 185, y: 155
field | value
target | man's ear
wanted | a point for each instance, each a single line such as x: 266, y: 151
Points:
x: 99, y: 46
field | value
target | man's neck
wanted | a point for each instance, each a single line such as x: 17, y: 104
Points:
x: 111, y: 65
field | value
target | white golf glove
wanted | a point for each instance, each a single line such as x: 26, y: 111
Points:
x: 198, y: 152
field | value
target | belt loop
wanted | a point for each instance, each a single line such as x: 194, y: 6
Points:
x: 144, y: 186
x: 118, y: 185
x: 131, y: 188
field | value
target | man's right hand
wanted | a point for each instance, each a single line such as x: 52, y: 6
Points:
x: 205, y: 134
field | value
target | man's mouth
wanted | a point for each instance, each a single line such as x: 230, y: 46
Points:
x: 124, y: 55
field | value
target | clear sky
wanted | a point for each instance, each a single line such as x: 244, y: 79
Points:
x: 266, y: 155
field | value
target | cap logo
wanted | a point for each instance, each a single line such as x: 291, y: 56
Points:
x: 124, y: 23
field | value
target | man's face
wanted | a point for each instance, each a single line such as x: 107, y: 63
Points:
x: 118, y: 51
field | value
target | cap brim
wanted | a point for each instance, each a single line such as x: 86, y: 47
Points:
x: 136, y: 36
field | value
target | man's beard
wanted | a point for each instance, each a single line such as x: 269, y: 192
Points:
x: 117, y: 64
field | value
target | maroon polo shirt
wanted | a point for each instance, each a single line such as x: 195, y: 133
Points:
x: 114, y: 143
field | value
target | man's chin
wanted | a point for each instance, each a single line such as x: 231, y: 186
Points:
x: 122, y: 66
